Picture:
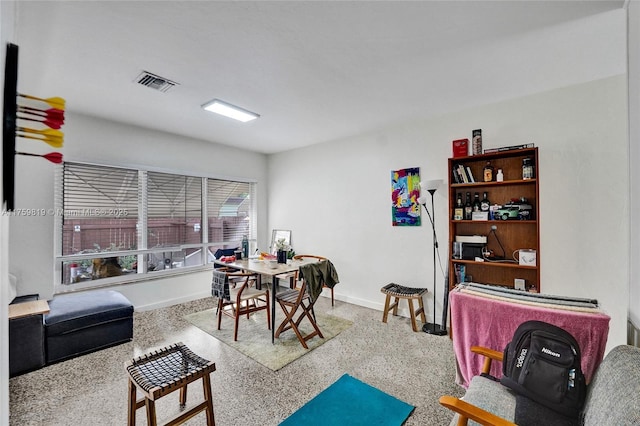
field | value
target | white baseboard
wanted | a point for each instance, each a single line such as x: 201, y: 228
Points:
x: 170, y: 302
x: 403, y: 309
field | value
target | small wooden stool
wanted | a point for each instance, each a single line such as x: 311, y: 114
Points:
x: 401, y: 292
x: 161, y: 372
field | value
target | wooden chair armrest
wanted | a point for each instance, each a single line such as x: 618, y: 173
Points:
x: 489, y: 354
x: 471, y: 412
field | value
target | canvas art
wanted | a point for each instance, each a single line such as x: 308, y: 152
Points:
x: 405, y: 190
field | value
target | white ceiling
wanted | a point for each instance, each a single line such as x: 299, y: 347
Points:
x: 315, y: 71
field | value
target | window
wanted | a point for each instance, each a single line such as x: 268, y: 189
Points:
x: 119, y: 225
x: 229, y: 211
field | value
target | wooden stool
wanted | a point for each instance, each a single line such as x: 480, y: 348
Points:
x: 409, y: 293
x: 161, y: 372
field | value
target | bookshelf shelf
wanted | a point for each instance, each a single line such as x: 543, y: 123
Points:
x: 493, y: 264
x: 489, y: 184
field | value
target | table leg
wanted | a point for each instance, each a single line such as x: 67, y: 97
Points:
x: 274, y: 285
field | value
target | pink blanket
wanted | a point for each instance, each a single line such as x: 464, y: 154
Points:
x: 483, y: 321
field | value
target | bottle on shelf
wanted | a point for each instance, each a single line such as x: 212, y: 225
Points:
x: 458, y: 211
x: 468, y: 208
x: 527, y: 168
x: 499, y: 176
x: 488, y: 172
x: 476, y: 202
x: 485, y: 203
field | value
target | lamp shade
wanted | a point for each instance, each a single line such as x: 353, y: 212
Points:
x: 431, y: 185
x: 422, y: 199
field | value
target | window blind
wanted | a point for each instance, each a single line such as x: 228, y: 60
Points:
x: 100, y: 208
x: 174, y: 209
x: 230, y: 207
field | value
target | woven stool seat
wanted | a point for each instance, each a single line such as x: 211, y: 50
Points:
x: 398, y: 292
x: 161, y: 372
x: 402, y: 291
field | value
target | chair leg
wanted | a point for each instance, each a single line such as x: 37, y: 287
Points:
x: 289, y: 323
x: 294, y: 326
x: 131, y: 407
x: 332, y: 304
x: 183, y: 397
x: 151, y: 412
x: 284, y: 325
x: 307, y: 313
x: 421, y: 310
x: 385, y: 315
x: 235, y: 326
x: 206, y: 383
x: 220, y: 308
x: 414, y: 325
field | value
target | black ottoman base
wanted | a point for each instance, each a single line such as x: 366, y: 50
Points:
x: 86, y: 322
x: 26, y: 344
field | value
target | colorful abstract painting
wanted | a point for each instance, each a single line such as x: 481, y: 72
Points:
x: 405, y: 190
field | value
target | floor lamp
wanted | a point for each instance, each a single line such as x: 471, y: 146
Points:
x: 431, y: 186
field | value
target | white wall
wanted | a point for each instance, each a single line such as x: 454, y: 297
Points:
x: 104, y: 142
x: 7, y: 27
x: 336, y: 196
x: 634, y: 158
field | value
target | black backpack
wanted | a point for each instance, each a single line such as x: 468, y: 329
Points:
x: 542, y: 363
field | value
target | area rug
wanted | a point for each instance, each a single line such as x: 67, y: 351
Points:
x: 254, y: 338
x: 351, y: 402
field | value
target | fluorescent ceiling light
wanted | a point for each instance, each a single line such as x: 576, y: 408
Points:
x: 231, y: 111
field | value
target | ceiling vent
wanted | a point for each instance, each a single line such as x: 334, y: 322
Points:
x: 155, y: 81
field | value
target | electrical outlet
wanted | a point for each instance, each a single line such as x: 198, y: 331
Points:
x: 519, y: 284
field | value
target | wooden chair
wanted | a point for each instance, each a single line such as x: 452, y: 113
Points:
x: 293, y: 301
x: 238, y: 296
x: 311, y: 256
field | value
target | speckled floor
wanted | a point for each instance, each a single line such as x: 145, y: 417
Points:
x: 92, y: 390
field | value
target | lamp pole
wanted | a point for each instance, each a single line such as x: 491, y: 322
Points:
x: 433, y: 328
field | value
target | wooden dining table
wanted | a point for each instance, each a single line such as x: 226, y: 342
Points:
x: 263, y: 267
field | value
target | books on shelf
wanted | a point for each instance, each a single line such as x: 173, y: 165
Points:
x: 508, y: 148
x: 462, y: 174
x: 470, y: 175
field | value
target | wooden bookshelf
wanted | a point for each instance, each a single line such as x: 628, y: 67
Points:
x: 513, y: 234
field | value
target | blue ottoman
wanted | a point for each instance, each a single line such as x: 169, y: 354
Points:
x: 80, y: 323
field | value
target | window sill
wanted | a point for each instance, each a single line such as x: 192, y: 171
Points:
x: 129, y: 279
